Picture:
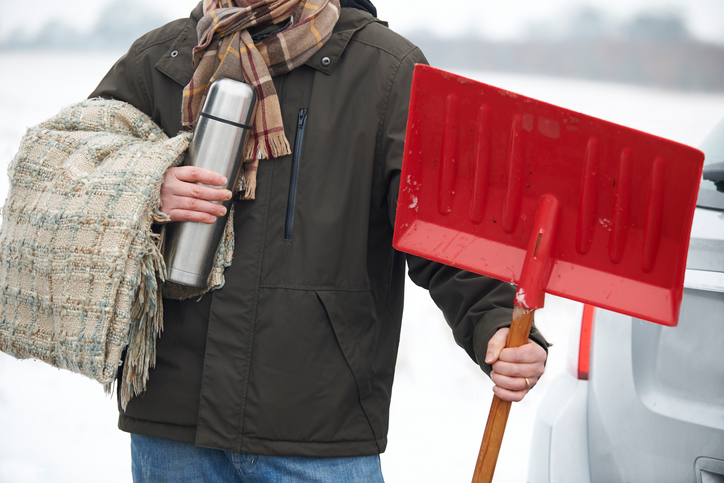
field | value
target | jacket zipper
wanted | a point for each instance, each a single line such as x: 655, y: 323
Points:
x: 301, y: 122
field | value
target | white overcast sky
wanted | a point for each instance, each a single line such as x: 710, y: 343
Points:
x: 496, y: 19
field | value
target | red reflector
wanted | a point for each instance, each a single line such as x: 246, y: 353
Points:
x: 584, y: 346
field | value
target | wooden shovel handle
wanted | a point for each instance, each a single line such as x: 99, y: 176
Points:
x: 499, y: 410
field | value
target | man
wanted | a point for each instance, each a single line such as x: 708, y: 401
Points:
x: 285, y: 372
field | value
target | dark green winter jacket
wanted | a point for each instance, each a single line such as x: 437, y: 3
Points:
x: 295, y: 355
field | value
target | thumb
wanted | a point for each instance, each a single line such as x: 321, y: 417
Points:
x: 495, y: 345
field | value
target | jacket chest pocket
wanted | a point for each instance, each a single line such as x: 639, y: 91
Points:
x: 294, y: 178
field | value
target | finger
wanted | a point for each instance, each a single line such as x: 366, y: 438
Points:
x: 516, y: 369
x: 194, y: 216
x: 193, y: 190
x: 190, y: 209
x: 512, y: 389
x: 171, y: 203
x: 507, y: 395
x: 496, y: 345
x: 195, y: 197
x: 515, y: 383
x: 195, y: 174
x: 527, y: 353
x: 193, y: 204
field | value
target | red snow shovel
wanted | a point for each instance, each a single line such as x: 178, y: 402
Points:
x: 546, y: 198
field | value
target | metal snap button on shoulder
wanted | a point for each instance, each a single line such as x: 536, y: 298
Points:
x: 326, y: 61
x: 174, y: 53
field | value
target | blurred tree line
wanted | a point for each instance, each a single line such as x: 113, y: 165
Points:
x: 652, y: 48
x: 117, y: 27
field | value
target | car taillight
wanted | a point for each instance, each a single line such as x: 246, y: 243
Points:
x: 584, y: 347
x: 579, y: 356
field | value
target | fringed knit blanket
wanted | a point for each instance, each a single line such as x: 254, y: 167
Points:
x: 79, y: 263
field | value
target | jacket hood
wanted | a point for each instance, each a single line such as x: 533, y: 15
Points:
x: 364, y: 5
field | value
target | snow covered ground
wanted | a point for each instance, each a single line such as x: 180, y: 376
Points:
x: 59, y: 427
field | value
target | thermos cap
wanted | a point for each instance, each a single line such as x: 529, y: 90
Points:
x: 230, y: 100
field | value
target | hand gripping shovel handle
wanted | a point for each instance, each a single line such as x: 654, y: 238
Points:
x: 531, y: 290
x: 498, y: 416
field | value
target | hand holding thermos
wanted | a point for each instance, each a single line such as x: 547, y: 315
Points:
x: 198, y: 195
x: 183, y: 198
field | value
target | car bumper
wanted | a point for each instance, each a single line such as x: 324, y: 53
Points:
x: 559, y: 448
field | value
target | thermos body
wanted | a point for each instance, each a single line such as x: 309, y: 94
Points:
x: 217, y: 145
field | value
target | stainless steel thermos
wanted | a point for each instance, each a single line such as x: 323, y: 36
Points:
x: 217, y: 145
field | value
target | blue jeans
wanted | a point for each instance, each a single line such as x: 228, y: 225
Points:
x: 156, y: 460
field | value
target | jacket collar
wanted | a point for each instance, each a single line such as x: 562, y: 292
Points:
x: 177, y: 62
x: 350, y: 21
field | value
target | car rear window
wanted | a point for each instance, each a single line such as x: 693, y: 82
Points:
x: 710, y: 194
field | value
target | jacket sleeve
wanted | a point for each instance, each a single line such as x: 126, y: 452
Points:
x: 473, y: 305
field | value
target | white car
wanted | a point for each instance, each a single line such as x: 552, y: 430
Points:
x: 643, y: 402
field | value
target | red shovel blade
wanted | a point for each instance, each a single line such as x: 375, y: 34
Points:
x: 479, y: 159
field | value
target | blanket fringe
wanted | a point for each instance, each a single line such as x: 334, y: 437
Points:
x: 109, y: 388
x: 147, y: 323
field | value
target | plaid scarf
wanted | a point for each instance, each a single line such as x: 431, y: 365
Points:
x: 226, y: 50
